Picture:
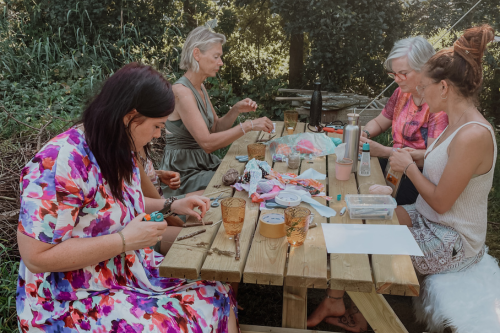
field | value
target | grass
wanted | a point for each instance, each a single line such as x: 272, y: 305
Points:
x: 9, y: 268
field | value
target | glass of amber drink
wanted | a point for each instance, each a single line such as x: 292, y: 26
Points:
x: 297, y: 225
x: 233, y: 215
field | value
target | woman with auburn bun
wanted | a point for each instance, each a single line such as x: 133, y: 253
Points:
x: 449, y: 219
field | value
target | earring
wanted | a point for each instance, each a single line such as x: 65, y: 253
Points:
x: 444, y: 98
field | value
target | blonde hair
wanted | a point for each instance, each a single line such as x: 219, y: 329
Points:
x: 202, y: 38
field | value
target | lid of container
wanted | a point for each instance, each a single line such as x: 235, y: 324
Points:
x: 366, y: 147
x: 352, y: 115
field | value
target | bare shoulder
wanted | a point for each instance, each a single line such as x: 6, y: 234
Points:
x: 473, y: 139
x: 181, y: 91
x: 475, y: 133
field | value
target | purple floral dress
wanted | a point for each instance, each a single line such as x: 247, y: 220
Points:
x: 63, y: 196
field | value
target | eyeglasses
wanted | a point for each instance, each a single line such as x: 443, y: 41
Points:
x: 421, y: 89
x: 400, y: 76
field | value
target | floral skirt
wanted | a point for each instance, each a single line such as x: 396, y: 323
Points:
x: 191, y: 307
x: 441, y: 245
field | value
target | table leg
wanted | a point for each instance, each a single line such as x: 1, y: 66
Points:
x: 377, y: 312
x: 294, y: 307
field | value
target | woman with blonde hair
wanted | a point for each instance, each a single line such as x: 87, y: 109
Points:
x: 195, y: 129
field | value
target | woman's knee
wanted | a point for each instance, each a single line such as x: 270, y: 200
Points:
x: 403, y: 217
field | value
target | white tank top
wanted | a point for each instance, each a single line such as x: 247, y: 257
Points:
x: 468, y: 215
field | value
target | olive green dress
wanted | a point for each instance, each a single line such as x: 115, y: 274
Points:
x: 184, y: 155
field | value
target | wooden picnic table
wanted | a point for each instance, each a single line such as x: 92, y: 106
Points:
x: 271, y: 261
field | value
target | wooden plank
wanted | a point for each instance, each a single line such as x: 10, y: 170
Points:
x: 350, y: 272
x: 224, y: 268
x: 267, y: 257
x: 268, y: 329
x: 184, y: 261
x: 294, y: 307
x: 228, y: 269
x: 393, y: 274
x: 377, y: 312
x: 307, y: 263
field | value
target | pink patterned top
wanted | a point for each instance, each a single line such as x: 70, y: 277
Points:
x: 411, y: 124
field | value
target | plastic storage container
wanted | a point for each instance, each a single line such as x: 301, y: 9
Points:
x: 370, y: 206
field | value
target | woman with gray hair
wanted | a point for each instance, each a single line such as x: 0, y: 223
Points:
x: 413, y: 126
x: 195, y: 129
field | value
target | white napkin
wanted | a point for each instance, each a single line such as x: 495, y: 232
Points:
x: 306, y: 197
x: 340, y: 152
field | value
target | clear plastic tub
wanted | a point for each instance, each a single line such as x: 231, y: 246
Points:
x: 370, y: 206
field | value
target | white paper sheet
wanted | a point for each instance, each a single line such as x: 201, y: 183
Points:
x: 370, y: 239
x: 312, y: 174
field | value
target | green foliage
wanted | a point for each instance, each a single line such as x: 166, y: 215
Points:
x: 9, y: 267
x: 348, y: 39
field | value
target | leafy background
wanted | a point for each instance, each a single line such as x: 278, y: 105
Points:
x: 55, y: 54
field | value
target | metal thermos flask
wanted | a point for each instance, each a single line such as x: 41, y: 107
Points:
x: 316, y: 106
x: 351, y: 139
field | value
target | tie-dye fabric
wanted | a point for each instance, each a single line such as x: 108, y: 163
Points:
x: 411, y: 125
x: 63, y: 196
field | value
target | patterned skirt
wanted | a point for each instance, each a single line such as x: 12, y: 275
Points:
x: 441, y: 245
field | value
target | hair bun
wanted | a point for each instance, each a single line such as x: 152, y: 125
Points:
x: 472, y: 44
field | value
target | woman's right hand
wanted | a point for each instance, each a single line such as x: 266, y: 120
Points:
x: 262, y: 124
x: 140, y: 234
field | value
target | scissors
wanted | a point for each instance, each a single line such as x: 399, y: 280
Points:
x: 216, y: 203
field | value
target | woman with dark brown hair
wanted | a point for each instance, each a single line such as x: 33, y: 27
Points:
x: 86, y: 258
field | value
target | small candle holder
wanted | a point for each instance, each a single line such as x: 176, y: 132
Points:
x: 257, y: 151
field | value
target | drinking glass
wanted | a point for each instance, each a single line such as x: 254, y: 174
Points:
x: 297, y: 224
x: 257, y: 151
x: 291, y: 118
x: 233, y: 215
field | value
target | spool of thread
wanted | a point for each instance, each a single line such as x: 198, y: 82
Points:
x: 289, y: 199
x: 272, y: 225
x: 380, y: 189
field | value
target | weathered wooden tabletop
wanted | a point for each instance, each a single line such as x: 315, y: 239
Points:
x: 271, y: 261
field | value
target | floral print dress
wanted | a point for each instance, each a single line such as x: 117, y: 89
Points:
x: 63, y: 196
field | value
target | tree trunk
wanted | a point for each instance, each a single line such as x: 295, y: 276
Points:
x: 189, y: 11
x: 296, y: 66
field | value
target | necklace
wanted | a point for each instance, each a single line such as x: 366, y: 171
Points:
x: 442, y: 135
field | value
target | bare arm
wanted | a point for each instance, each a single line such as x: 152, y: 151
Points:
x: 418, y: 155
x: 42, y: 257
x: 148, y: 188
x: 469, y: 153
x: 187, y: 109
x: 226, y: 122
x: 377, y: 125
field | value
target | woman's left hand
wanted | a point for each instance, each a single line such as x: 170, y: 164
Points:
x: 400, y: 159
x: 170, y: 178
x: 187, y: 205
x: 376, y: 149
x: 246, y: 105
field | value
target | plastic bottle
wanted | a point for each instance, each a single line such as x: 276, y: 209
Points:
x: 364, y: 166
